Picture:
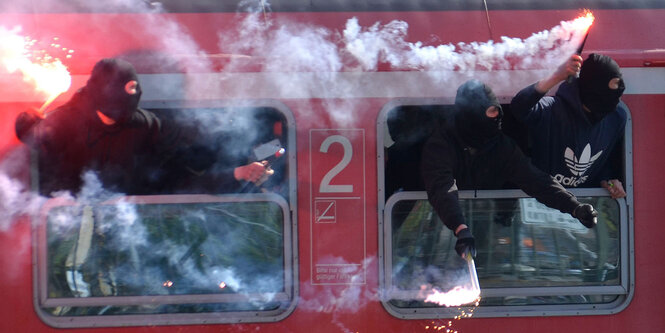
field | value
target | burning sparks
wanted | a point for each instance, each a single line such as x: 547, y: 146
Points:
x: 455, y: 297
x: 447, y: 327
x: 168, y: 284
x: 459, y: 295
x: 222, y: 285
x: 47, y: 73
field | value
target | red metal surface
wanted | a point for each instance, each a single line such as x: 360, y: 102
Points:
x: 631, y: 36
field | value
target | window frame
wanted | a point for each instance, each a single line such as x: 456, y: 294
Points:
x: 42, y: 301
x: 625, y: 290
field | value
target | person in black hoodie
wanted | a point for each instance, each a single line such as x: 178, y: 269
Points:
x: 472, y: 153
x: 574, y: 134
x: 133, y: 151
x: 100, y: 129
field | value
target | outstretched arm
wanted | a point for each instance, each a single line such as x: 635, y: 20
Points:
x: 255, y: 172
x: 542, y: 186
x: 438, y: 160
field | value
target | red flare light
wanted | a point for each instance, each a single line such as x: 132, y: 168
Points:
x: 46, y: 73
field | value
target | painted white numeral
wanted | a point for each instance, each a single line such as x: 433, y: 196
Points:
x: 325, y: 186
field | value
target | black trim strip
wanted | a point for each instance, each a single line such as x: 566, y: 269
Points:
x: 230, y: 6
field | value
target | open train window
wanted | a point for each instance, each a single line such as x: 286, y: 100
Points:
x: 195, y: 152
x: 192, y: 245
x: 532, y: 260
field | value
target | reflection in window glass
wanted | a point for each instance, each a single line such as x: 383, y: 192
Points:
x: 230, y: 252
x: 520, y: 242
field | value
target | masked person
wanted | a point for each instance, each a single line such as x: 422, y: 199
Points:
x: 470, y: 152
x: 100, y: 129
x: 574, y: 133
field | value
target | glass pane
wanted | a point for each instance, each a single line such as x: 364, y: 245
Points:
x: 520, y: 243
x: 210, y: 248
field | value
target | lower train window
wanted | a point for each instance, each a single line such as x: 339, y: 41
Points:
x: 165, y: 259
x: 532, y: 260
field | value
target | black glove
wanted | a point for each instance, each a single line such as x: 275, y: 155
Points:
x: 24, y: 123
x: 465, y: 243
x: 586, y: 214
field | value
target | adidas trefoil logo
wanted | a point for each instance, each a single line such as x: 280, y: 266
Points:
x: 577, y: 166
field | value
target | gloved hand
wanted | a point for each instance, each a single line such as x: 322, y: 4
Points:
x: 586, y: 214
x: 465, y: 243
x: 24, y: 123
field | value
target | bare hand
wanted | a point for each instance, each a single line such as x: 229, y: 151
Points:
x: 570, y: 67
x: 252, y: 172
x: 615, y: 188
x: 269, y: 172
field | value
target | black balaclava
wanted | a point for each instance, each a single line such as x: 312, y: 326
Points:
x: 595, y: 93
x: 473, y: 125
x: 106, y: 88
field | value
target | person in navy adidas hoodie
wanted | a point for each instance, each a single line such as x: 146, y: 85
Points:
x: 574, y: 133
x: 470, y: 152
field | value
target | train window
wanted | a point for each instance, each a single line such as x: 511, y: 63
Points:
x: 532, y: 260
x: 196, y: 152
x: 198, y: 258
x: 185, y: 238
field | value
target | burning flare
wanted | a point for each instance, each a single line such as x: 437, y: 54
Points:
x: 48, y: 75
x: 584, y: 22
x: 454, y: 297
x: 460, y: 295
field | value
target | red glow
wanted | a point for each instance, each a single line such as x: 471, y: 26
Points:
x: 45, y: 72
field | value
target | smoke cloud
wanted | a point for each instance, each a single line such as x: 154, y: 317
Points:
x: 299, y: 60
x: 15, y: 199
x: 387, y: 43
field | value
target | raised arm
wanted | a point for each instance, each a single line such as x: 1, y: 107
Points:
x: 569, y: 68
x: 528, y: 103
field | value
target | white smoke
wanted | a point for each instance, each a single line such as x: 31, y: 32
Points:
x: 15, y: 201
x: 343, y: 299
x: 68, y: 6
x: 349, y: 298
x: 300, y: 59
x: 387, y: 43
x: 305, y: 60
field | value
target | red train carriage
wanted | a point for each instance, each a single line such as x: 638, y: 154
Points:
x: 334, y: 242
